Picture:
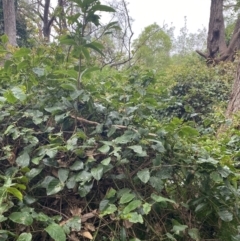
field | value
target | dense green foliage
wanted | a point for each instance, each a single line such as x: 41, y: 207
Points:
x: 153, y: 47
x: 89, y: 154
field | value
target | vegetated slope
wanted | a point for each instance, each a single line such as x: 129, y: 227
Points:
x: 116, y: 159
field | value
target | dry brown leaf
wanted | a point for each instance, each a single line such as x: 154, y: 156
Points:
x: 176, y: 205
x: 127, y: 224
x: 62, y: 163
x: 86, y: 234
x: 11, y: 158
x: 85, y: 217
x: 112, y: 216
x: 55, y: 173
x: 75, y: 211
x: 89, y: 226
x: 158, y: 228
x: 73, y: 237
x: 63, y: 222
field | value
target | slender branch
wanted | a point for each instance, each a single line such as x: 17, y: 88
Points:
x: 202, y: 54
x: 85, y: 120
x: 80, y: 119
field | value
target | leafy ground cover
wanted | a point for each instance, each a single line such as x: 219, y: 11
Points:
x: 90, y: 154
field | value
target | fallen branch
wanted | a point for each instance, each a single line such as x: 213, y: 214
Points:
x: 85, y: 120
x: 202, y: 54
x: 96, y: 123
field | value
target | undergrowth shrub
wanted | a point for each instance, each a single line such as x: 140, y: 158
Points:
x: 196, y: 91
x: 92, y: 157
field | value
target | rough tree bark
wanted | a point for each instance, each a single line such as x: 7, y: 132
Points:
x: 9, y: 16
x: 216, y: 43
x: 217, y: 49
x: 234, y: 103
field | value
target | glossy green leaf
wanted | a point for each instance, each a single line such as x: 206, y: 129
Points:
x: 10, y: 127
x: 104, y: 149
x: 19, y: 93
x: 132, y: 206
x: 103, y: 8
x: 187, y: 131
x: 4, y: 38
x: 63, y: 174
x: 215, y: 176
x: 157, y: 183
x: 147, y: 208
x: 144, y: 175
x: 71, y: 182
x: 39, y: 71
x: 170, y: 236
x: 74, y: 223
x: 43, y: 217
x: 51, y: 152
x: 106, y: 161
x: 2, y: 99
x: 2, y: 219
x: 23, y: 160
x: 84, y: 189
x: 110, y: 193
x: 10, y: 97
x: 194, y: 234
x: 54, y: 109
x: 135, y: 217
x: 86, y: 53
x: 33, y: 172
x: 76, y: 166
x: 68, y: 40
x: 29, y: 199
x: 56, y: 232
x: 83, y: 176
x: 137, y: 149
x: 225, y: 215
x: 111, y: 208
x: 124, y: 139
x: 21, y: 218
x: 54, y: 187
x: 157, y: 198
x: 15, y: 192
x: 97, y: 172
x: 126, y: 197
x: 103, y: 204
x: 25, y: 237
x: 95, y: 46
x: 236, y: 237
x: 224, y: 171
x: 69, y: 86
x: 22, y: 52
x: 208, y: 160
x: 123, y: 234
x: 179, y: 228
x: 200, y: 207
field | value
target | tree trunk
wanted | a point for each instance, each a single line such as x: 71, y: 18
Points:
x: 216, y: 43
x: 234, y: 102
x: 217, y: 49
x: 9, y: 16
x: 47, y: 23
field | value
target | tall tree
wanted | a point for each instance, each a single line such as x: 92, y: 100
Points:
x: 152, y: 47
x: 217, y: 48
x: 9, y: 16
x: 221, y: 49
